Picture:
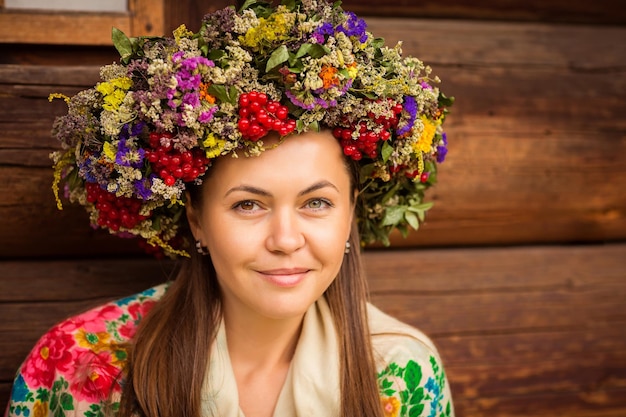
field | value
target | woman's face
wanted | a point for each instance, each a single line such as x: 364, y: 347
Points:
x: 276, y: 225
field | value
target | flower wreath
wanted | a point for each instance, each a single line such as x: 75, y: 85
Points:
x: 158, y: 117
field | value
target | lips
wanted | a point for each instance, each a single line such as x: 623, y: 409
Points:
x: 284, y: 277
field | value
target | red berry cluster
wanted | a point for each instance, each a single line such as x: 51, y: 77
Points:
x: 367, y: 140
x: 424, y: 176
x: 258, y: 115
x: 171, y: 164
x: 114, y: 212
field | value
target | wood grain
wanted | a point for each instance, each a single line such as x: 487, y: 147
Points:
x: 521, y: 330
x: 603, y: 11
x: 511, y: 275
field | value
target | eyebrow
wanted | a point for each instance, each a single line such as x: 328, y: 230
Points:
x: 259, y: 191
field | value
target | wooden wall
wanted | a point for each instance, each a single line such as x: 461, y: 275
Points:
x: 519, y: 274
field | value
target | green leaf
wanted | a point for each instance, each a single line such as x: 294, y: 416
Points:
x: 318, y: 51
x: 122, y: 43
x: 280, y: 55
x: 221, y: 93
x: 411, y: 219
x: 216, y: 55
x: 445, y: 101
x: 393, y: 215
x: 386, y: 151
x: 417, y: 396
x: 289, y: 4
x: 247, y: 4
x: 416, y: 411
x: 378, y: 42
x: 386, y: 383
x: 404, y: 396
x: 303, y: 50
x: 412, y: 375
x: 299, y: 125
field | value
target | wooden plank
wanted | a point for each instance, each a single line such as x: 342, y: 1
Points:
x: 147, y: 17
x: 73, y: 280
x: 49, y: 76
x: 61, y: 28
x: 499, y: 270
x: 190, y: 12
x: 50, y: 55
x: 521, y: 330
x: 603, y: 11
x: 465, y: 44
x: 524, y: 145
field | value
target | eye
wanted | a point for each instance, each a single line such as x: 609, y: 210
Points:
x: 246, y: 206
x: 318, y: 204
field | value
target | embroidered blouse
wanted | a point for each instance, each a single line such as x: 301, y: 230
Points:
x: 75, y: 366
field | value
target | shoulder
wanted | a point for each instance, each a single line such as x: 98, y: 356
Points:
x: 411, y: 377
x: 77, y: 364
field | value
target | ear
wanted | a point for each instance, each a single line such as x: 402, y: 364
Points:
x: 193, y: 217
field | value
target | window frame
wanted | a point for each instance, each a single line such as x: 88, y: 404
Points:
x: 27, y: 26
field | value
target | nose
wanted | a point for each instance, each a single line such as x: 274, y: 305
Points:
x: 285, y: 234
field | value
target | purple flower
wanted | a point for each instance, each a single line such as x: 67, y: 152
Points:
x: 442, y: 151
x: 193, y: 99
x: 206, y: 116
x: 136, y: 129
x: 354, y: 26
x: 297, y: 102
x: 320, y: 33
x: 142, y: 187
x: 410, y: 106
x: 426, y: 86
x: 125, y: 156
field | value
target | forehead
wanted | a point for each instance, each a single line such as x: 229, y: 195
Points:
x: 306, y: 157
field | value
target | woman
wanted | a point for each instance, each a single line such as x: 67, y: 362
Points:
x: 274, y: 143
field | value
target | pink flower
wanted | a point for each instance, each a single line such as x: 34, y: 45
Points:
x: 127, y: 330
x: 52, y: 354
x: 139, y: 310
x: 94, y: 320
x: 94, y: 376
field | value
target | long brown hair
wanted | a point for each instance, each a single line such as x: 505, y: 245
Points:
x: 168, y: 359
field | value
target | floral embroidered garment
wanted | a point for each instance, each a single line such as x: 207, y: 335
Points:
x: 74, y: 367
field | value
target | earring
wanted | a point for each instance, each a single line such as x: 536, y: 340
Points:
x: 202, y: 250
x: 347, y: 250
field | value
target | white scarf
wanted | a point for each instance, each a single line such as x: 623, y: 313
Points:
x: 312, y: 384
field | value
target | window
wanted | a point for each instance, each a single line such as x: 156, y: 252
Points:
x: 78, y: 22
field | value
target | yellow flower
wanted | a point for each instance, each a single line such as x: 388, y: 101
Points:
x: 425, y: 140
x: 274, y: 28
x: 352, y: 70
x: 181, y: 32
x: 114, y: 92
x: 391, y: 406
x: 213, y: 146
x: 95, y: 341
x: 40, y: 409
x: 109, y: 150
x: 44, y: 352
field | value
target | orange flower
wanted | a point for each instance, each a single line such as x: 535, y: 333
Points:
x: 328, y: 75
x: 391, y: 406
x: 204, y: 93
x: 40, y: 409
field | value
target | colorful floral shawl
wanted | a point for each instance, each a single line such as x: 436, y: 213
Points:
x: 74, y: 369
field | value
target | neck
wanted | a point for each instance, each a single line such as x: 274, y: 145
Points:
x: 261, y: 343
